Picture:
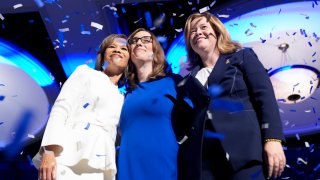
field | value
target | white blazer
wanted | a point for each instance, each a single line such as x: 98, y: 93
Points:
x: 83, y: 120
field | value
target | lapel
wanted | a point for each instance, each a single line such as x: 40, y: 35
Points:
x: 221, y: 66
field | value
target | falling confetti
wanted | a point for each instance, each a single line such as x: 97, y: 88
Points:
x: 96, y: 25
x: 87, y: 127
x: 86, y: 105
x: 17, y: 6
x: 1, y: 17
x: 204, y: 9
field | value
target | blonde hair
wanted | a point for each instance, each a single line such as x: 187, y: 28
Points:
x: 224, y: 42
x: 159, y: 63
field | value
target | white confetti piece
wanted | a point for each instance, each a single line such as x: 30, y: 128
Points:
x: 21, y: 153
x: 223, y: 15
x: 96, y: 25
x: 137, y: 21
x: 265, y: 126
x: 204, y: 9
x: 307, y: 144
x: 181, y: 15
x: 307, y: 111
x: 227, y: 156
x: 288, y: 166
x: 1, y: 17
x: 190, y: 3
x: 31, y: 136
x: 153, y: 28
x: 183, y: 140
x: 64, y: 21
x: 281, y: 111
x: 64, y: 30
x: 300, y: 160
x: 178, y: 30
x: 209, y: 114
x: 298, y: 137
x: 174, y: 14
x: 213, y: 3
x: 17, y: 6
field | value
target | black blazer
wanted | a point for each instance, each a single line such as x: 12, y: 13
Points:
x: 245, y: 82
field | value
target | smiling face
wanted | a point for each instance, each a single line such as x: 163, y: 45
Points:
x: 141, y: 47
x: 202, y: 36
x: 116, y: 56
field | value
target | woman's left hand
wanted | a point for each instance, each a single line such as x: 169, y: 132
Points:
x: 275, y: 158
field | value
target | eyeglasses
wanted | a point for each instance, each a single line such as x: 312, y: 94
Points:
x: 144, y: 40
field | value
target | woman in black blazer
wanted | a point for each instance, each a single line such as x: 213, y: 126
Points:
x: 236, y: 131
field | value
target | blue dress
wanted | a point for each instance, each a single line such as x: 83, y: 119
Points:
x: 148, y: 147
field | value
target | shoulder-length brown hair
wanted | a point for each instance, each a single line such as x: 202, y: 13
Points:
x: 159, y: 63
x: 102, y: 49
x: 224, y: 43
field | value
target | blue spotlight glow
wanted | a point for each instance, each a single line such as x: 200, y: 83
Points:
x: 72, y: 61
x: 12, y: 55
x: 175, y: 53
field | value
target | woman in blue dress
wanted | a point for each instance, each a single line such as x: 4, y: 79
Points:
x: 148, y: 147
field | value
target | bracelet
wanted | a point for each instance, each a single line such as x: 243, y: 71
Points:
x: 272, y: 140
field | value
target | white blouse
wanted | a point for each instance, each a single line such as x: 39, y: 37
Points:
x: 203, y: 75
x: 83, y: 120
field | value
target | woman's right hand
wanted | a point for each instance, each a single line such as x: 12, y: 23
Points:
x: 48, y: 167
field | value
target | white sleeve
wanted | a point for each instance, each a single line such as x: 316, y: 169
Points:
x: 71, y: 93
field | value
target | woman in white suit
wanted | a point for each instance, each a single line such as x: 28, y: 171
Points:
x: 79, y: 140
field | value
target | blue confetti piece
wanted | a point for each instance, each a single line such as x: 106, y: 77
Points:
x: 123, y: 10
x: 213, y: 135
x: 246, y: 32
x: 287, y: 34
x: 279, y: 11
x: 293, y: 110
x: 310, y: 89
x: 313, y: 98
x: 48, y: 20
x: 270, y: 35
x: 87, y: 127
x: 314, y: 54
x: 314, y: 35
x: 317, y: 167
x: 115, y: 14
x: 305, y: 34
x: 281, y: 100
x: 117, y: 148
x: 316, y: 3
x: 215, y: 91
x: 1, y: 123
x: 314, y: 60
x: 30, y: 160
x: 86, y: 105
x: 268, y: 70
x: 303, y: 97
x: 314, y: 110
x: 2, y: 98
x: 312, y: 5
x: 301, y: 31
x: 294, y: 33
x: 61, y: 39
x: 310, y: 44
x: 252, y: 25
x: 189, y: 102
x: 263, y: 40
x: 105, y: 65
